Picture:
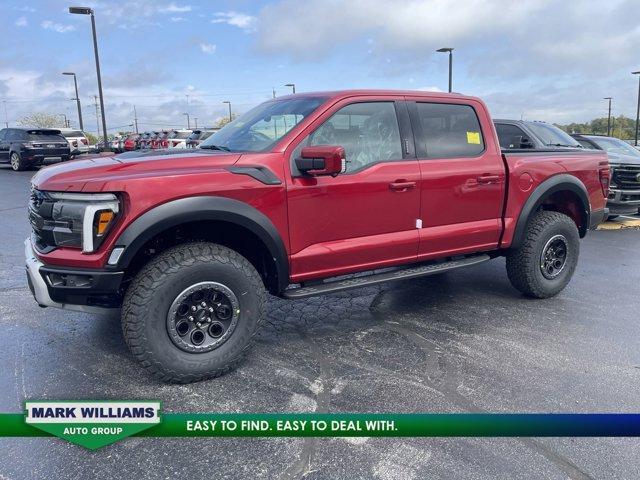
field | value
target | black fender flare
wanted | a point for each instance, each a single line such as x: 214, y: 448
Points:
x: 550, y: 186
x: 185, y: 210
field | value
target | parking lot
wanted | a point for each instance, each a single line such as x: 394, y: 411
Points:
x: 465, y: 341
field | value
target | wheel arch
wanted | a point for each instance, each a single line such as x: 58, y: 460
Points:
x: 563, y: 193
x: 218, y: 210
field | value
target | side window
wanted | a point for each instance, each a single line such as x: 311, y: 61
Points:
x: 509, y: 136
x: 13, y: 135
x: 368, y: 132
x: 449, y: 130
x: 3, y: 134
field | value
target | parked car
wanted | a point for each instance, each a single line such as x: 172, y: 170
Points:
x: 197, y: 136
x: 24, y: 148
x: 413, y: 183
x: 624, y: 161
x: 130, y: 142
x: 152, y: 143
x: 524, y: 134
x: 77, y: 139
x: 177, y: 138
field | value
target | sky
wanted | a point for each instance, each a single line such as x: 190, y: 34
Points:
x: 551, y: 60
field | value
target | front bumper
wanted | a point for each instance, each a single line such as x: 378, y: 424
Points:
x: 623, y: 202
x: 95, y: 291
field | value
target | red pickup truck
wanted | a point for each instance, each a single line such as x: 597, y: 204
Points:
x: 295, y: 193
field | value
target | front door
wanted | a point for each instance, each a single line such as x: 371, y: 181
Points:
x: 463, y: 178
x: 366, y: 217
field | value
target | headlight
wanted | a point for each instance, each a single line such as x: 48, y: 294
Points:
x: 81, y: 219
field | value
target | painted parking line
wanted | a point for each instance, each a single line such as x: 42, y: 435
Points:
x: 620, y: 223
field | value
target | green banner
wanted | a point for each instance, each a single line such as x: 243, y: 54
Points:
x: 95, y: 424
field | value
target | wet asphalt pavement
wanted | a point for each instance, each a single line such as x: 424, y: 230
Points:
x: 465, y: 341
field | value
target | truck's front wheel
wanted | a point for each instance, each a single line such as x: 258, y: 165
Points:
x: 192, y: 312
x: 544, y: 264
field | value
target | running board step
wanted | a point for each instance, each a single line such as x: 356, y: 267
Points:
x: 368, y: 280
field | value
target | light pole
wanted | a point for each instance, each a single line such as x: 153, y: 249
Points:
x: 450, y: 51
x: 89, y: 11
x: 66, y: 122
x: 195, y: 119
x: 638, y: 108
x: 135, y: 118
x: 608, y: 117
x: 6, y: 117
x: 228, y: 103
x: 292, y: 85
x: 188, y: 121
x: 77, y: 99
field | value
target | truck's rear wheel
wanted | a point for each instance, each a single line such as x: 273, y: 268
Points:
x: 544, y: 264
x: 192, y: 312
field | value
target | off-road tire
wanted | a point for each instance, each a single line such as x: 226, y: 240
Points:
x: 17, y: 165
x: 524, y: 263
x: 152, y: 291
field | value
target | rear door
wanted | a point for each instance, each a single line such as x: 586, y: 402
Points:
x: 4, y: 145
x: 462, y: 177
x: 366, y: 217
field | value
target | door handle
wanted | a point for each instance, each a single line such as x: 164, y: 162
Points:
x: 485, y: 179
x: 401, y: 186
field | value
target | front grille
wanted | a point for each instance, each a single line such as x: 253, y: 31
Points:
x: 40, y: 210
x: 627, y: 177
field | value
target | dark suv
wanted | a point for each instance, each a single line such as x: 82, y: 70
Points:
x: 28, y: 147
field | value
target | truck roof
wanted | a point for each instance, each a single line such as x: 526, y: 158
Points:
x: 336, y: 94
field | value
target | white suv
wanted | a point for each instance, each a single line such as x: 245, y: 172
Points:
x: 78, y: 141
x: 178, y: 138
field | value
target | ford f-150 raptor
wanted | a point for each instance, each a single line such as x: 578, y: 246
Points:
x: 289, y: 199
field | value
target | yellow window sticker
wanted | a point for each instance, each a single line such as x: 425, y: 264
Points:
x: 473, y: 137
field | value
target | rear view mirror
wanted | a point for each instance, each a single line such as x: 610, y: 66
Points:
x: 322, y: 160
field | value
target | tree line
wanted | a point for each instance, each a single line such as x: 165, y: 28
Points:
x: 621, y: 127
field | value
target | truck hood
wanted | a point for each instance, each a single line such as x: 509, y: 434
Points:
x: 616, y: 159
x: 92, y: 174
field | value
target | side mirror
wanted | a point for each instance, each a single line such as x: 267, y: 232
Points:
x: 322, y: 160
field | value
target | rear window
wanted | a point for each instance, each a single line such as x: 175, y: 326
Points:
x: 44, y: 136
x: 449, y: 130
x: 74, y: 133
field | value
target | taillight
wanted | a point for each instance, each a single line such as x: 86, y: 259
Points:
x: 84, y: 141
x: 605, y: 180
x: 175, y: 144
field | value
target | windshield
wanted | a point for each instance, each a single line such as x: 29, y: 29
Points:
x: 261, y: 127
x: 613, y: 145
x: 552, y: 136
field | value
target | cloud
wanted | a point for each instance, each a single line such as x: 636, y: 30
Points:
x: 57, y: 27
x: 208, y: 48
x: 177, y: 19
x: 21, y: 22
x: 173, y: 8
x: 236, y: 19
